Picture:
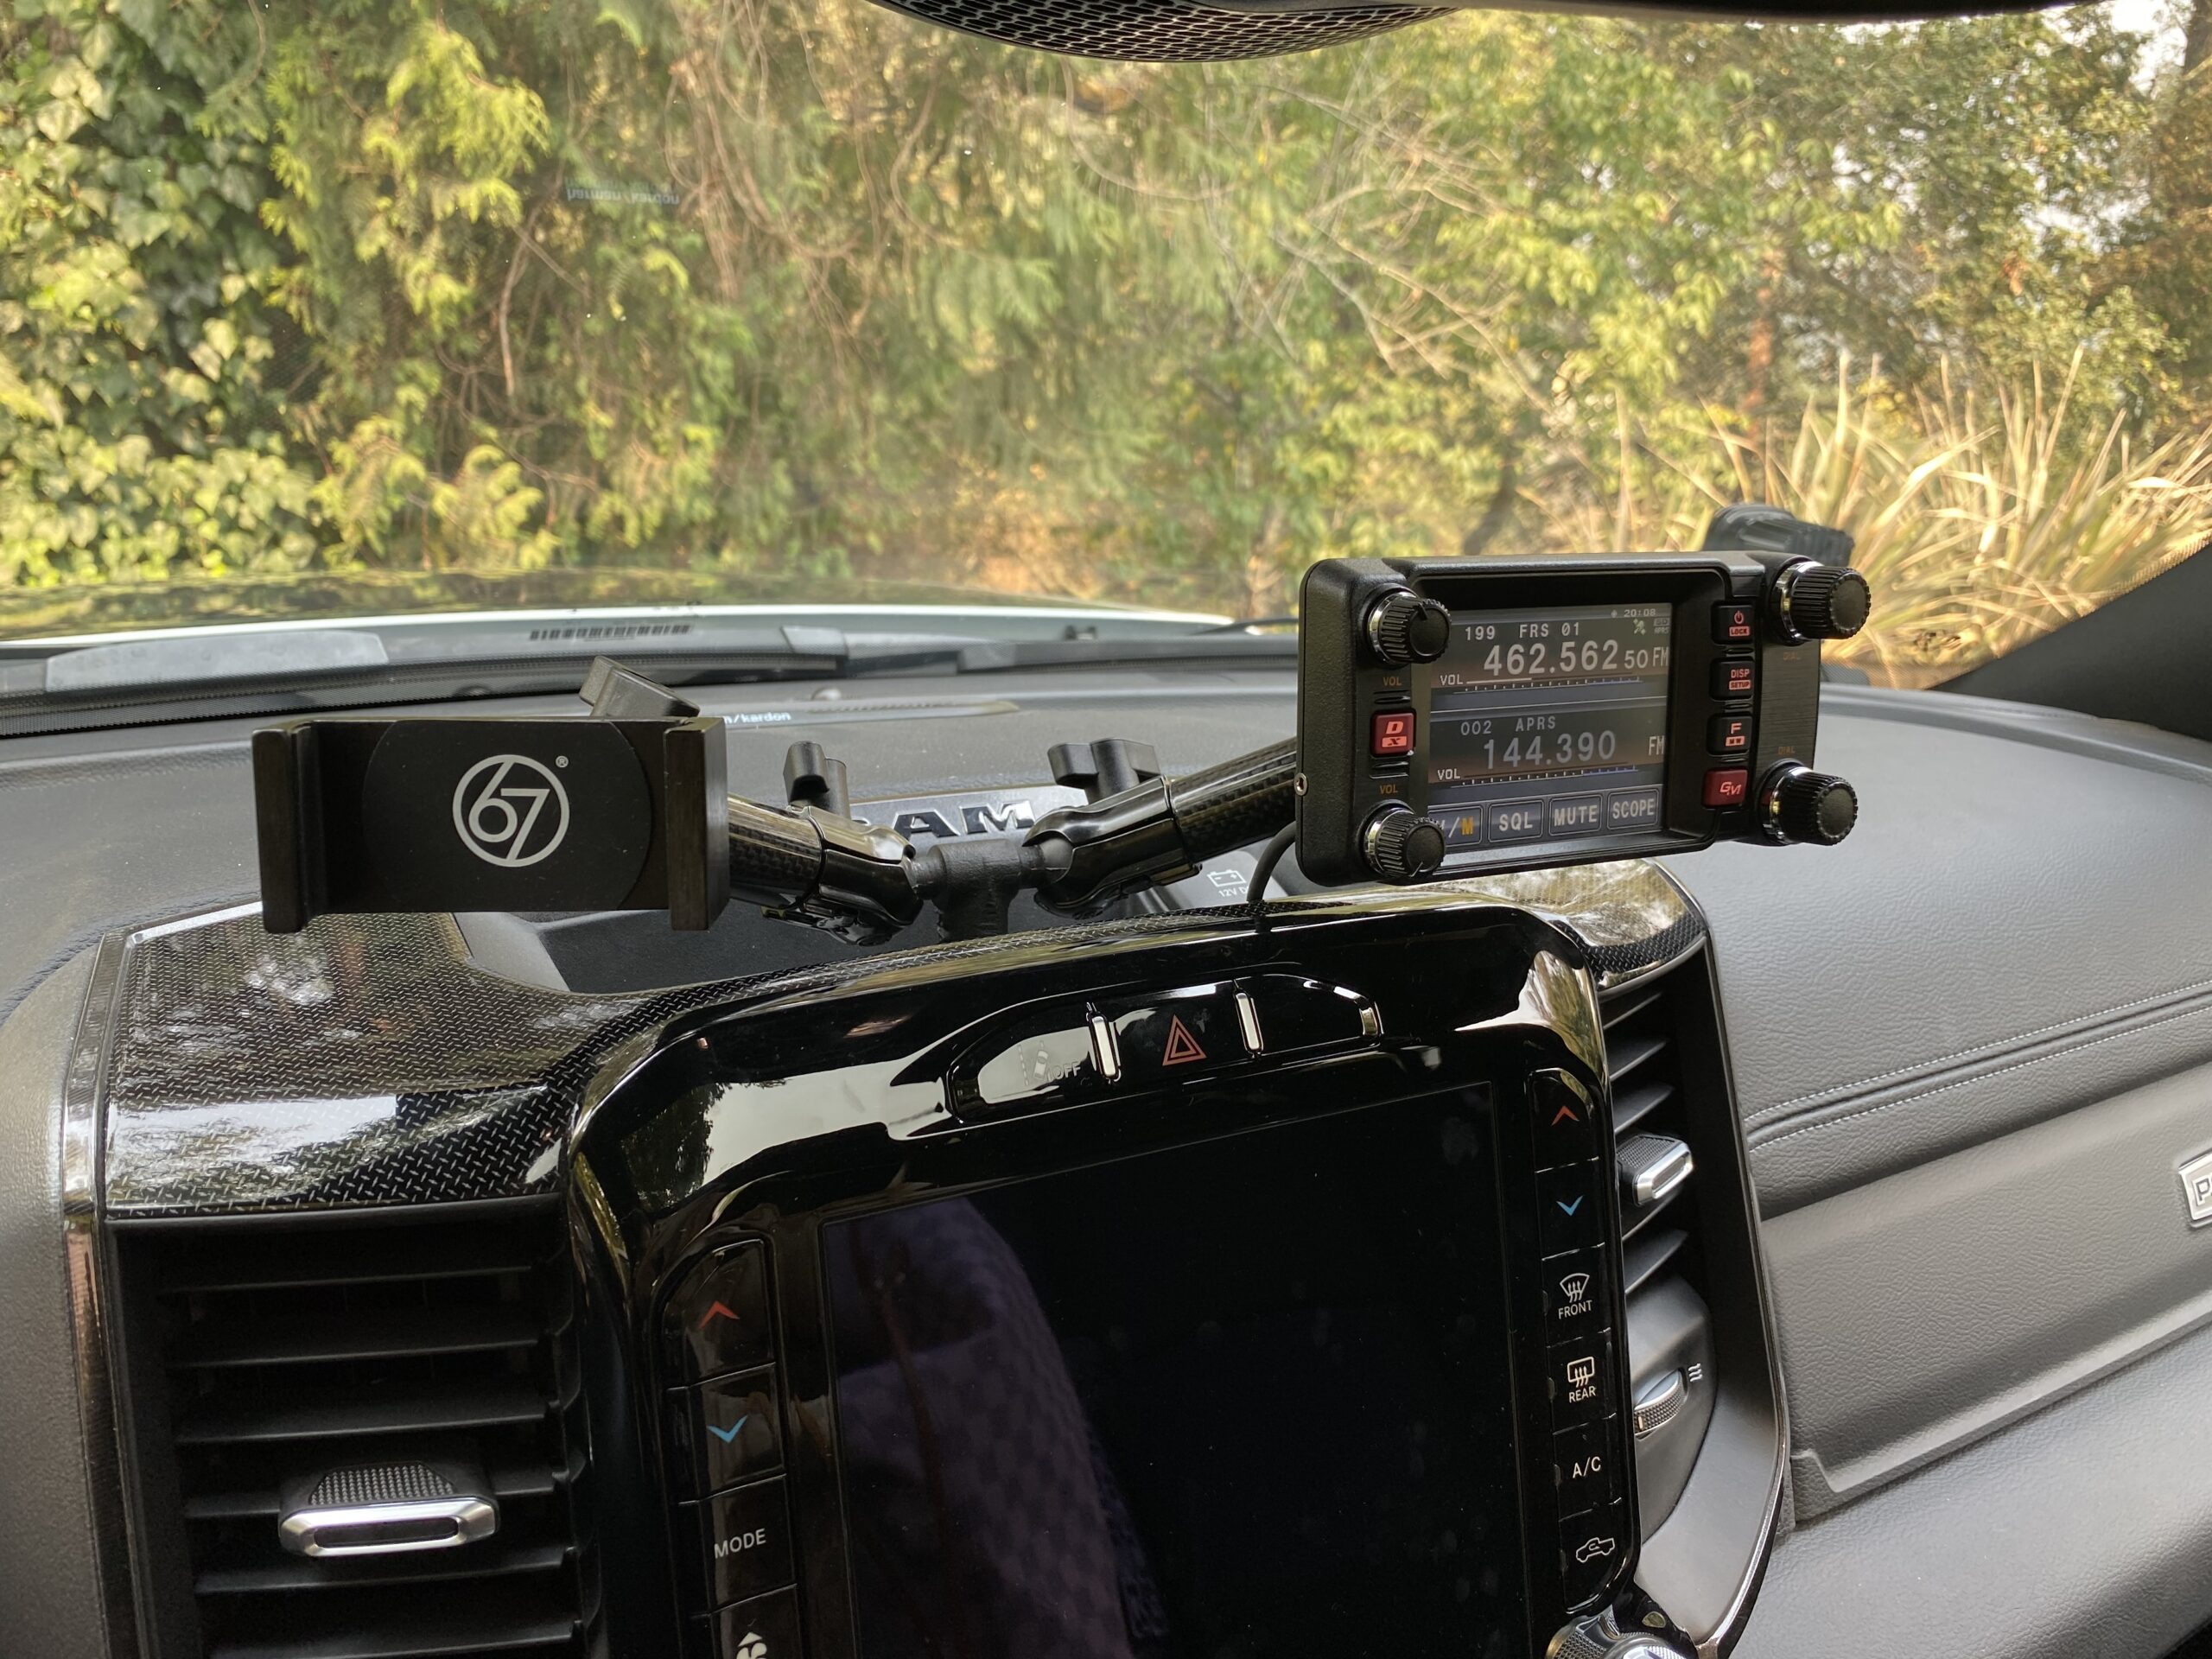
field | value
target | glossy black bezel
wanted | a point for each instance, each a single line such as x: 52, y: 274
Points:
x: 786, y: 1195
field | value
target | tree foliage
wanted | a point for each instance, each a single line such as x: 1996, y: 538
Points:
x: 745, y: 286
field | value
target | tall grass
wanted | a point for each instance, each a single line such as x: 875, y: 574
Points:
x: 1979, y: 523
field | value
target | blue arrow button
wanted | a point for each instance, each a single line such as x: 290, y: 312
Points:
x: 725, y: 1435
x: 1567, y: 1208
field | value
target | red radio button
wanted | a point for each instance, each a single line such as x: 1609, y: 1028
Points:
x: 1727, y: 786
x: 1394, y: 733
x: 1734, y: 677
x: 1735, y: 625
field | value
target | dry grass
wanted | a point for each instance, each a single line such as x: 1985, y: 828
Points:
x: 1979, y: 526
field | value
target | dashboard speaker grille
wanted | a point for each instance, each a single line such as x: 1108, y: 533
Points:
x: 262, y: 1354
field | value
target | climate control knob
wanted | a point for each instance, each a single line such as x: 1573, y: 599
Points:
x: 1403, y: 627
x: 1797, y: 803
x: 1402, y: 846
x: 1821, y: 601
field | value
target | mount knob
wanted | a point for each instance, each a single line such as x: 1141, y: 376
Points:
x: 1821, y: 601
x: 1797, y: 803
x: 1403, y: 627
x: 1403, y: 846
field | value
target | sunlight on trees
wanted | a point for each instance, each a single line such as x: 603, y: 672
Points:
x: 746, y: 289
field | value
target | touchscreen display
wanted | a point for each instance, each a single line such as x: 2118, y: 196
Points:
x: 1242, y: 1399
x: 1549, y: 724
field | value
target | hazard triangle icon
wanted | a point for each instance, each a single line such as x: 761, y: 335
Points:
x: 1182, y: 1047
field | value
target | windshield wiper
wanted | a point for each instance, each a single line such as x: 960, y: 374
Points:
x: 1210, y: 645
x: 217, y: 673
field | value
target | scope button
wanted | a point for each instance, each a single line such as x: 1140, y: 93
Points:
x: 1735, y: 624
x: 1632, y: 809
x: 1735, y: 678
x: 1583, y: 1468
x: 766, y: 1627
x: 717, y: 1320
x: 1182, y: 1034
x: 1581, y: 1380
x: 1570, y: 1208
x: 749, y: 1543
x: 1591, y: 1547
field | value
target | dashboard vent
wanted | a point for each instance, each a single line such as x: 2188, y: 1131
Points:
x: 260, y: 1354
x: 1662, y: 1051
x: 1644, y: 1061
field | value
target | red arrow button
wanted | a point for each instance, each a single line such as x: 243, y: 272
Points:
x: 718, y: 1308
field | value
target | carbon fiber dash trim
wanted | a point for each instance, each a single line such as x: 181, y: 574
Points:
x: 366, y: 1061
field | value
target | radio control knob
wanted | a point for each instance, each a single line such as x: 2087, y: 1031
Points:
x: 1821, y: 601
x: 1797, y: 803
x: 1402, y: 846
x: 1403, y: 627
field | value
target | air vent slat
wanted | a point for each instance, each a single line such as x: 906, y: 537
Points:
x: 300, y: 1572
x: 1648, y: 1256
x: 232, y: 1260
x: 1632, y: 1050
x: 426, y: 1411
x: 448, y: 1633
x: 415, y: 1331
x: 509, y: 1481
x: 275, y: 1355
x: 1632, y: 1105
x: 1631, y: 1004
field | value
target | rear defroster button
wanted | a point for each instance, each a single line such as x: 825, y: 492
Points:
x: 1581, y: 1380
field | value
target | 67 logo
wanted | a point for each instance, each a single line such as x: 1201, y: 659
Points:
x: 511, y: 810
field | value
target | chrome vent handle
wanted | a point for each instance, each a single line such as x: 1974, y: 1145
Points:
x: 387, y: 1508
x: 1660, y: 1401
x: 1652, y: 1169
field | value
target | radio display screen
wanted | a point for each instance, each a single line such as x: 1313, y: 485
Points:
x: 1550, y: 725
x: 1247, y: 1396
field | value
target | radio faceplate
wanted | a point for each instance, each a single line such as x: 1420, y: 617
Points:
x: 862, y: 1296
x: 1542, y: 711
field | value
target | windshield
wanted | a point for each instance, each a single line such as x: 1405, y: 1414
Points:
x: 312, y: 307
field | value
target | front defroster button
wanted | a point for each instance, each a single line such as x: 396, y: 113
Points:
x: 1574, y: 1296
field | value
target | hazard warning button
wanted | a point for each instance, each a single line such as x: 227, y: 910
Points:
x: 1176, y: 1034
